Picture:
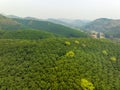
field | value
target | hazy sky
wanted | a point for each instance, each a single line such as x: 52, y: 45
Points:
x: 74, y: 9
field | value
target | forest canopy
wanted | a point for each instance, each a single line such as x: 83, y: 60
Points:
x: 59, y: 64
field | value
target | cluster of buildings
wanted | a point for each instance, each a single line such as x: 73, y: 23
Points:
x: 94, y: 34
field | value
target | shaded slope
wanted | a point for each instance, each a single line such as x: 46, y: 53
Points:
x: 51, y: 27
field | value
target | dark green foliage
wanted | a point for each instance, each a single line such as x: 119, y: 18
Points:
x: 43, y: 65
x: 25, y: 34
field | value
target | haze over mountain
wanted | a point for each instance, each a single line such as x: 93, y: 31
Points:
x: 12, y: 16
x: 77, y: 23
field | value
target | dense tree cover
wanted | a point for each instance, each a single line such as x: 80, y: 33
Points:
x: 43, y: 64
x: 25, y: 34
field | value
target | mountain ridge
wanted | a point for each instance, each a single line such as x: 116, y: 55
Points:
x: 29, y: 23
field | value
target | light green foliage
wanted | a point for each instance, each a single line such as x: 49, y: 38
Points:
x: 113, y: 59
x: 70, y: 54
x: 67, y: 43
x: 104, y: 52
x: 86, y: 85
x: 83, y: 45
x: 77, y: 42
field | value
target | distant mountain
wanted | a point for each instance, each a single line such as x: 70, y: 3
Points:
x: 70, y: 23
x: 109, y: 26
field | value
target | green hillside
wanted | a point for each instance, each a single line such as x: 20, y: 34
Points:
x: 59, y: 64
x: 34, y: 24
x: 25, y: 34
x: 9, y: 24
x: 51, y: 27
